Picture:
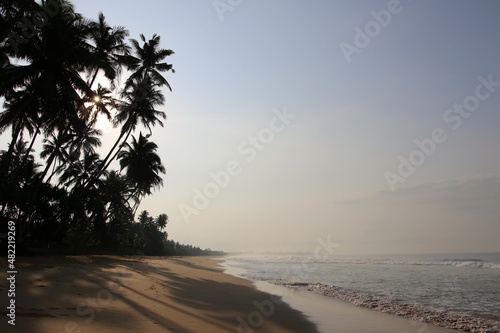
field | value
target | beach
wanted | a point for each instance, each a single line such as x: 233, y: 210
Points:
x: 175, y: 294
x: 130, y: 294
x: 456, y: 291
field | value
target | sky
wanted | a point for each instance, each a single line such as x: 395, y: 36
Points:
x: 371, y: 123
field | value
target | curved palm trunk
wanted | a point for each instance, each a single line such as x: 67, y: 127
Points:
x: 25, y: 158
x: 118, y: 151
x: 108, y: 159
x: 136, y: 205
x: 93, y: 78
x: 103, y: 165
x: 54, y: 171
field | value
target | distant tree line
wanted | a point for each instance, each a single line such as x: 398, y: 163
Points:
x: 60, y: 75
x: 146, y: 236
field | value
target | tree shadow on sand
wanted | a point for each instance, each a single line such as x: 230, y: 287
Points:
x: 81, y: 291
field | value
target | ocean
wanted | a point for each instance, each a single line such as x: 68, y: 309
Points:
x: 467, y: 284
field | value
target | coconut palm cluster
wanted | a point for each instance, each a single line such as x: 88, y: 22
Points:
x: 61, y: 75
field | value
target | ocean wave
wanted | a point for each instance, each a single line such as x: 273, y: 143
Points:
x: 472, y: 263
x: 461, y: 262
x: 439, y: 317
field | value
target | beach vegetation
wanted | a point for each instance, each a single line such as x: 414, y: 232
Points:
x: 61, y: 76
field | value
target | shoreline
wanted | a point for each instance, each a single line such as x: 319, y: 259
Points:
x: 80, y: 294
x: 384, y: 315
x: 438, y: 318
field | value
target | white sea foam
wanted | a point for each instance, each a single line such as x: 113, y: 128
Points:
x: 468, y: 284
x: 467, y: 262
x: 436, y: 316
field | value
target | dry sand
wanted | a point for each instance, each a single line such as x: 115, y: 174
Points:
x: 128, y: 294
x: 191, y: 295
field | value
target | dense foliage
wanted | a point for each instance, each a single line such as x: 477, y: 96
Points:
x: 60, y: 74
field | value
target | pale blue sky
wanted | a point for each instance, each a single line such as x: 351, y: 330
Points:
x: 324, y: 173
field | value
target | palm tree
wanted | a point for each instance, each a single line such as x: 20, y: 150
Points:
x: 140, y: 101
x: 147, y: 62
x: 84, y: 141
x: 101, y: 103
x: 141, y: 94
x: 12, y: 11
x: 138, y: 106
x: 144, y: 218
x: 49, y: 79
x: 48, y: 82
x: 53, y: 150
x: 109, y: 44
x: 78, y: 171
x: 117, y: 189
x: 161, y: 221
x: 19, y: 114
x: 16, y: 182
x: 143, y: 166
x: 54, y: 58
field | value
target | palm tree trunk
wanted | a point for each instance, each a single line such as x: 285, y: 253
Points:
x: 93, y: 78
x: 31, y: 144
x: 54, y: 170
x: 102, y: 167
x: 119, y: 149
x: 136, y: 205
x: 108, y: 159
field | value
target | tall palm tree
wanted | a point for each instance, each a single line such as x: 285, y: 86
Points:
x: 84, y: 141
x: 138, y: 106
x: 48, y: 77
x: 54, y: 151
x: 147, y: 62
x: 141, y: 94
x: 53, y: 60
x: 142, y: 165
x: 49, y: 80
x: 109, y: 44
x: 101, y: 103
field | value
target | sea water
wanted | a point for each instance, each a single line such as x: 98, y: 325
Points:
x: 463, y: 283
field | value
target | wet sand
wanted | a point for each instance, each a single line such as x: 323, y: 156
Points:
x: 79, y: 294
x: 128, y: 294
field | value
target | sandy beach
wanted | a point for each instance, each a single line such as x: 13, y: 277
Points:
x: 121, y: 294
x: 129, y: 294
